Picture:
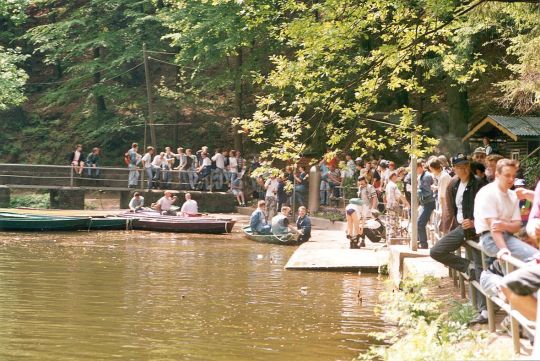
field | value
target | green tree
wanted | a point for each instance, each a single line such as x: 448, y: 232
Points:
x: 221, y: 44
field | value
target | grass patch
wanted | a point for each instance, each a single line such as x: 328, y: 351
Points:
x: 30, y: 201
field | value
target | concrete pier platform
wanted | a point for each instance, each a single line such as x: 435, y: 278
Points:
x: 329, y: 250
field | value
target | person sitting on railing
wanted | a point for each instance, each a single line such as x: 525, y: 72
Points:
x: 520, y: 286
x: 497, y: 215
x: 460, y: 210
x: 92, y: 162
x: 182, y: 167
x: 147, y: 165
x: 257, y: 221
x: 426, y: 200
x: 204, y: 172
x: 190, y: 206
x: 167, y: 167
x: 191, y: 168
x: 137, y: 203
x: 533, y: 224
x: 159, y: 163
x: 76, y: 159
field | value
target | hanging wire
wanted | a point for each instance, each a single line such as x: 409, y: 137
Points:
x: 173, y: 64
x: 72, y: 79
x: 160, y: 52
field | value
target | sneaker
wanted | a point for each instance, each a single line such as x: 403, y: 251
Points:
x: 478, y: 320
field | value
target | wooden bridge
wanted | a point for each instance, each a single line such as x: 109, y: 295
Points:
x: 67, y: 189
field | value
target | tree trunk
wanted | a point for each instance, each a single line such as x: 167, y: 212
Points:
x: 100, y: 100
x: 239, y: 100
x: 458, y: 116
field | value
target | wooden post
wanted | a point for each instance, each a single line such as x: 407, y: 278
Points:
x: 150, y: 116
x: 414, y: 195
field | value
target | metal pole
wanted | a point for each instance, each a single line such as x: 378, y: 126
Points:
x: 414, y: 195
x: 149, y: 97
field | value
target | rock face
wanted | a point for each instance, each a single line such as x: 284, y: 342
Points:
x: 211, y: 202
x: 5, y: 196
x: 67, y: 198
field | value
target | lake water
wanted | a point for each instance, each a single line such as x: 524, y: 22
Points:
x: 161, y: 296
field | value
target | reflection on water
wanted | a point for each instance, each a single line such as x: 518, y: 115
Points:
x: 159, y: 296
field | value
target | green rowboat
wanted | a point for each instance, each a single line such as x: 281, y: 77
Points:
x: 269, y: 238
x: 23, y: 222
x: 43, y: 224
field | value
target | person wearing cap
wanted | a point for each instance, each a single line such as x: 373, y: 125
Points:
x: 355, y: 222
x: 459, y: 216
x: 137, y: 203
x: 479, y: 155
x: 165, y: 204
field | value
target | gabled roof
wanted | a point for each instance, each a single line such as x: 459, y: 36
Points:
x: 513, y: 127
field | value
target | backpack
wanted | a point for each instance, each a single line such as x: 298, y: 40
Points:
x: 127, y: 158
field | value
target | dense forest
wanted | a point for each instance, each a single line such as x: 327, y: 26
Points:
x: 282, y: 77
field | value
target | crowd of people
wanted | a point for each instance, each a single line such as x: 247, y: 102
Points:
x: 224, y: 170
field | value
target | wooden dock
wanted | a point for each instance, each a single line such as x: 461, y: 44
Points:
x: 329, y: 250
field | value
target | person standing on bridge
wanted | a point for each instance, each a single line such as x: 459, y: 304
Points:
x: 134, y: 158
x: 76, y: 159
x: 147, y: 165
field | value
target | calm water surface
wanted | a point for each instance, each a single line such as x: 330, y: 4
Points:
x: 161, y: 296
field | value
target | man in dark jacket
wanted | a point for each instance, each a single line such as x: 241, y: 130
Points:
x: 460, y: 196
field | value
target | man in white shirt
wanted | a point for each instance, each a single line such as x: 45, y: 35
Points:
x: 189, y: 207
x: 164, y: 204
x: 219, y: 172
x: 270, y: 199
x: 204, y: 171
x: 147, y: 165
x: 497, y: 215
x: 158, y: 163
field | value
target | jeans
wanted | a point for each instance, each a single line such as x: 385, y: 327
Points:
x: 299, y: 191
x: 193, y: 178
x: 424, y: 213
x: 232, y: 177
x: 517, y: 247
x: 133, y: 177
x: 183, y: 179
x: 167, y: 177
x: 490, y: 282
x: 92, y: 171
x: 217, y: 177
x: 149, y: 176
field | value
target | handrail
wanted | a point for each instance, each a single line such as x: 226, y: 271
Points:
x: 509, y: 263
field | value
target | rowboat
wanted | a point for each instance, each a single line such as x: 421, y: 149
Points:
x: 54, y: 223
x: 183, y: 225
x: 31, y: 224
x: 269, y: 238
x: 200, y: 223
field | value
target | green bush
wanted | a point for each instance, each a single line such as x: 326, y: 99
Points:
x: 30, y: 201
x: 531, y: 170
x: 423, y: 331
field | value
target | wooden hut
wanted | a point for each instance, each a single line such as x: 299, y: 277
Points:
x: 511, y: 136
